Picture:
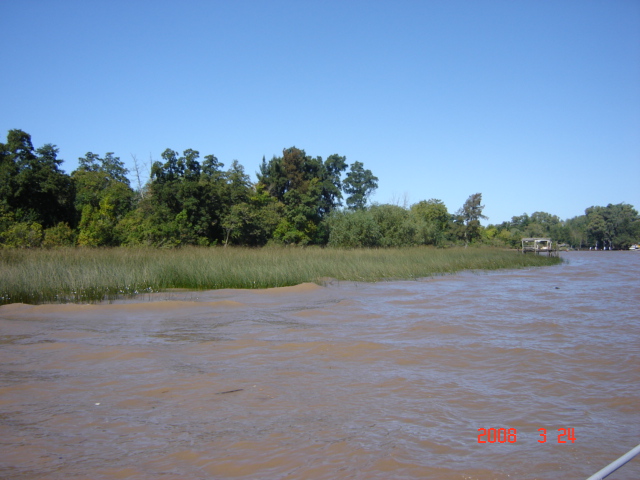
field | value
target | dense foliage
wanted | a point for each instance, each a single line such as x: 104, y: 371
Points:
x: 297, y: 199
x: 612, y: 227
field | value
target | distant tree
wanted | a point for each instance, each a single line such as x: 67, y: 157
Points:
x: 98, y: 177
x: 521, y: 222
x: 238, y: 185
x: 545, y: 219
x: 273, y: 177
x: 253, y: 221
x: 359, y: 185
x: 468, y: 217
x: 189, y: 203
x: 396, y: 225
x: 103, y: 197
x: 575, y: 231
x: 614, y: 226
x: 308, y: 188
x: 32, y: 186
x: 432, y: 217
x: 597, y: 229
x: 175, y: 207
x: 432, y: 210
x: 331, y: 183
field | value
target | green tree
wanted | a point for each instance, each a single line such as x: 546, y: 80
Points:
x: 301, y: 215
x: 309, y: 190
x: 575, y: 232
x: 359, y: 184
x: 468, y: 218
x: 597, y: 229
x: 254, y: 221
x: 177, y: 202
x: 103, y: 197
x: 613, y: 226
x: 397, y: 227
x: 331, y: 183
x: 188, y: 202
x: 541, y: 224
x: 432, y: 218
x: 238, y: 184
x: 32, y: 185
x: 547, y: 220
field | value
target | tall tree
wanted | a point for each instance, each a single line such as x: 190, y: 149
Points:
x: 32, y: 185
x: 396, y: 225
x: 96, y: 177
x: 432, y: 211
x: 597, y: 229
x: 435, y: 217
x: 613, y: 226
x: 104, y: 196
x: 308, y: 188
x: 331, y: 183
x: 189, y: 202
x: 576, y: 231
x: 253, y: 221
x: 359, y: 184
x: 176, y: 205
x: 469, y: 216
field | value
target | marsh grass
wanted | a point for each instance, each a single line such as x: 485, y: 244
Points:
x: 91, y: 275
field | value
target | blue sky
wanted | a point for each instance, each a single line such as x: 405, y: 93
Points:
x: 535, y: 104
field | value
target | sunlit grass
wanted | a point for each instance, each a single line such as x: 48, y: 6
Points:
x: 90, y: 275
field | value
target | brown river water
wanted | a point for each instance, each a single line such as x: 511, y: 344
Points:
x: 391, y: 380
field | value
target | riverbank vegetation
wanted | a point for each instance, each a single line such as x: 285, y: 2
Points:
x: 297, y: 200
x: 90, y: 236
x: 90, y: 275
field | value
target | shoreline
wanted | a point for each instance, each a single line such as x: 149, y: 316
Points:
x: 90, y: 276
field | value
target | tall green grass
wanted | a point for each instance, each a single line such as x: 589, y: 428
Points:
x: 90, y: 275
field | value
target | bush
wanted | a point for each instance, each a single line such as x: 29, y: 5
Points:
x: 397, y: 226
x: 22, y: 235
x: 353, y: 229
x: 59, y: 236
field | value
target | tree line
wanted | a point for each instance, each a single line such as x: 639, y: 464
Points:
x: 296, y: 200
x: 616, y: 226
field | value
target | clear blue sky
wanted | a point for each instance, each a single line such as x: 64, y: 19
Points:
x: 535, y: 104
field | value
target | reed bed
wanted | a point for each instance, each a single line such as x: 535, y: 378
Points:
x: 92, y: 275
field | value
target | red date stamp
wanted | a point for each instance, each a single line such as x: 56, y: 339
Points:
x: 510, y: 435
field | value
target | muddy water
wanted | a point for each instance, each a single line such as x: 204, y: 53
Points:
x: 347, y: 381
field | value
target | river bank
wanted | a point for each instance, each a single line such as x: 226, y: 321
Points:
x: 91, y: 275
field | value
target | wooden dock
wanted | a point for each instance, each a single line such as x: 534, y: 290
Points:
x: 539, y: 246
